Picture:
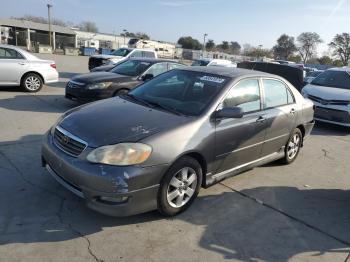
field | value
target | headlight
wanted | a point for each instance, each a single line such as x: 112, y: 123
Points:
x: 102, y: 85
x: 123, y: 154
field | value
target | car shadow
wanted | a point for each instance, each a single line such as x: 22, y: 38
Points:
x: 38, y: 103
x: 35, y: 208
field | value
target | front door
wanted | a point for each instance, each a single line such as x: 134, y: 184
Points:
x: 239, y: 141
x: 280, y: 109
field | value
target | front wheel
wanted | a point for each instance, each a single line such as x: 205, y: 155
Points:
x: 32, y: 83
x: 180, y: 186
x: 293, y: 146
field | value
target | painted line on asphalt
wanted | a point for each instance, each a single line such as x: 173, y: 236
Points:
x: 346, y: 243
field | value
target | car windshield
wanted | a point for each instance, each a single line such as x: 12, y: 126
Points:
x: 121, y: 52
x: 313, y: 73
x: 185, y: 92
x: 200, y: 63
x: 131, y: 68
x: 332, y: 78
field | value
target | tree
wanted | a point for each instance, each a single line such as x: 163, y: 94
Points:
x: 308, y: 42
x: 341, y: 47
x: 88, y: 26
x: 259, y: 52
x: 210, y: 45
x: 188, y: 42
x: 235, y: 48
x: 285, y: 47
x: 39, y: 19
x: 325, y: 60
x: 224, y: 46
x: 139, y: 35
x: 338, y: 63
x: 295, y: 58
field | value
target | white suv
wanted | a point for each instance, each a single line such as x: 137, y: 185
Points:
x: 18, y: 67
x: 119, y: 55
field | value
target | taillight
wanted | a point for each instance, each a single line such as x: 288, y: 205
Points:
x: 53, y: 65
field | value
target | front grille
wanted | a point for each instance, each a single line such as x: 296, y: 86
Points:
x: 68, y: 143
x: 328, y: 102
x: 95, y: 62
x: 73, y: 84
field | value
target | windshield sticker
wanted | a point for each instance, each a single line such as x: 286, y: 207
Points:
x: 212, y: 79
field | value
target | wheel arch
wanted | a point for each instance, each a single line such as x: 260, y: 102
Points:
x: 32, y: 72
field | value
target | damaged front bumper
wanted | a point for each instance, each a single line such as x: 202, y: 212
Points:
x: 111, y: 190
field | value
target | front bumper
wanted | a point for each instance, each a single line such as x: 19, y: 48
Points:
x: 85, y: 95
x: 332, y: 114
x: 129, y: 190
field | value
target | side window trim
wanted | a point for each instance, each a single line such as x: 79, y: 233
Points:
x: 263, y: 92
x: 258, y: 79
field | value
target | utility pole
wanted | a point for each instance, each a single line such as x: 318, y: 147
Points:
x: 205, y: 35
x: 49, y: 19
x: 124, y: 30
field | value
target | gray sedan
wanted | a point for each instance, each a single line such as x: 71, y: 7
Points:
x: 155, y: 147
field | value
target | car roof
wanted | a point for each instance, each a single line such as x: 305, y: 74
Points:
x: 342, y: 69
x: 10, y: 46
x: 231, y: 72
x: 154, y: 60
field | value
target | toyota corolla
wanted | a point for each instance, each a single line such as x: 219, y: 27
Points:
x: 155, y: 147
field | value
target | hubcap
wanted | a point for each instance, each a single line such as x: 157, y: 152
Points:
x: 293, y: 146
x: 32, y: 83
x: 182, y: 187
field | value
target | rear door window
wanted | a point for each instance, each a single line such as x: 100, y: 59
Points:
x: 276, y: 93
x: 148, y: 54
x: 6, y: 53
x: 136, y: 54
x: 157, y: 69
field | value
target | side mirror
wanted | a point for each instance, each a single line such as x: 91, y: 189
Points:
x: 147, y: 77
x: 230, y: 112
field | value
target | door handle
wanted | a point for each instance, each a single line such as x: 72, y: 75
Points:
x: 261, y: 119
x: 21, y: 63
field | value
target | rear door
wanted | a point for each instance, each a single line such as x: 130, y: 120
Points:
x: 280, y: 113
x: 12, y: 66
x: 239, y: 141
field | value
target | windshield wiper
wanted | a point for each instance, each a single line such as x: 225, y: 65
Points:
x: 164, y: 107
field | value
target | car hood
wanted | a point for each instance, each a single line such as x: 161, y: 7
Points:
x: 107, y: 56
x: 96, y: 77
x: 327, y: 93
x: 116, y: 120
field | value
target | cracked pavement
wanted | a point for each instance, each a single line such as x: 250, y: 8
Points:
x: 298, y: 212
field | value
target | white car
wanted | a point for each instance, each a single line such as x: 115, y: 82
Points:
x: 120, y: 55
x: 214, y: 62
x: 330, y: 92
x: 20, y: 68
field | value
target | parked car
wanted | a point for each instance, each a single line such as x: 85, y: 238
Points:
x: 156, y: 146
x: 214, y: 62
x: 120, y: 55
x: 330, y: 92
x: 20, y: 68
x: 311, y: 76
x: 118, y: 80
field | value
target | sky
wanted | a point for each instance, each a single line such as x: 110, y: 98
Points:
x: 257, y: 22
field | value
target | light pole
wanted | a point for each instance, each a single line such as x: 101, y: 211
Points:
x: 205, y: 35
x: 49, y: 18
x: 125, y: 31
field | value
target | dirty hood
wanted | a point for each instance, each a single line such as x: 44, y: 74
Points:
x: 96, y: 77
x: 116, y: 120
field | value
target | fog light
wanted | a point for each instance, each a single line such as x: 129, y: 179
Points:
x: 113, y: 200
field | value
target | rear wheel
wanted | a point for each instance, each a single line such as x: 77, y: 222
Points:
x: 32, y: 83
x: 293, y: 146
x: 180, y: 186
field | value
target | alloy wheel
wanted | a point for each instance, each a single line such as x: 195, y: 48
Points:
x: 293, y: 146
x: 182, y: 187
x: 32, y: 83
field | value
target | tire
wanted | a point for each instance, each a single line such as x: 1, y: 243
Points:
x: 177, y: 192
x: 293, y: 147
x: 121, y: 92
x: 32, y: 83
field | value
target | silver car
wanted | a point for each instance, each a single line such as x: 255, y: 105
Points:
x: 20, y: 68
x: 330, y: 92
